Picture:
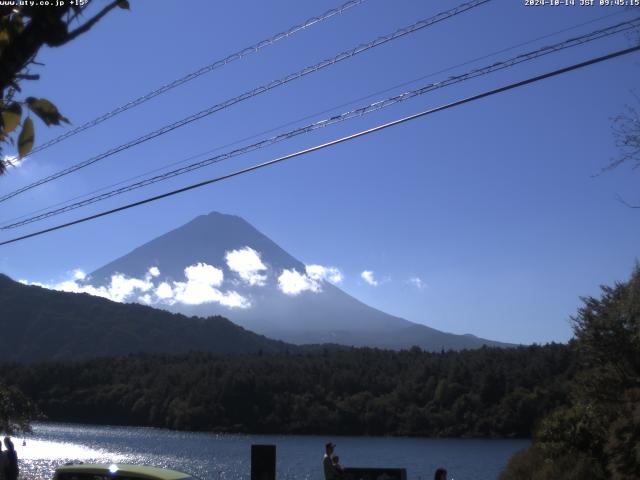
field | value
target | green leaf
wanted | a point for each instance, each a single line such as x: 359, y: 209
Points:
x: 11, y: 117
x: 124, y: 4
x: 26, y: 138
x: 46, y: 110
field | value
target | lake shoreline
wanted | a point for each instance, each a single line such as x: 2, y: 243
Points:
x: 301, y: 434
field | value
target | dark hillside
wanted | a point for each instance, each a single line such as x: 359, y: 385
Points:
x: 39, y: 324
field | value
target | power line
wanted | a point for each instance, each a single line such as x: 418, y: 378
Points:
x: 493, y: 54
x: 201, y: 71
x: 347, y: 138
x: 307, y: 117
x: 256, y: 91
x: 358, y: 112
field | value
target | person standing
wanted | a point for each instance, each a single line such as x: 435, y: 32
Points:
x: 330, y: 472
x: 3, y: 459
x: 11, y: 469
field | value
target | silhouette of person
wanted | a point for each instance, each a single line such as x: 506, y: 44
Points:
x: 441, y: 474
x: 11, y: 461
x: 3, y: 461
x: 330, y: 472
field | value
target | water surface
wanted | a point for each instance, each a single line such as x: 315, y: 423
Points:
x: 227, y: 456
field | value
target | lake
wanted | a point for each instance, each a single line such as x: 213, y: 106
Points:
x: 227, y: 456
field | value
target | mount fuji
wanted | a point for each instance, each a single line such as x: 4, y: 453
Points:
x: 219, y: 264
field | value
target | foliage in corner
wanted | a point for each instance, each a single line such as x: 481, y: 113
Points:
x: 24, y: 29
x: 598, y: 435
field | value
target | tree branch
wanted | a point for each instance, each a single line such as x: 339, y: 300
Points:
x: 45, y: 27
x: 90, y: 23
x: 28, y: 76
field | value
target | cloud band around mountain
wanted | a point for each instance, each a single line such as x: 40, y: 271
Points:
x: 203, y: 283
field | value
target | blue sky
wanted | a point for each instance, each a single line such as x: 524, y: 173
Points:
x: 493, y: 205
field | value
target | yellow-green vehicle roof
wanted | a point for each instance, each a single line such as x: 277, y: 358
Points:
x: 125, y: 470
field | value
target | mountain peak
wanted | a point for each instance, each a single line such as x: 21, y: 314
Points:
x: 215, y: 216
x: 205, y: 239
x: 264, y: 289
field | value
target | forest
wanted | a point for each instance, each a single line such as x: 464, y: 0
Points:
x: 490, y: 392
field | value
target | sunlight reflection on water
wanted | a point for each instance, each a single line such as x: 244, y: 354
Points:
x: 47, y: 450
x: 39, y: 458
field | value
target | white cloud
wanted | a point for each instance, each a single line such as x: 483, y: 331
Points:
x: 233, y: 299
x: 368, y: 277
x: 146, y: 299
x: 417, y: 282
x: 79, y: 274
x: 196, y: 293
x: 123, y: 287
x: 247, y: 264
x: 204, y: 274
x: 320, y: 272
x: 119, y: 289
x: 164, y: 291
x: 154, y: 272
x: 291, y: 282
x: 201, y: 286
x: 202, y: 282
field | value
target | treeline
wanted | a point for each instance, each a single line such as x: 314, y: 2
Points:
x: 490, y: 392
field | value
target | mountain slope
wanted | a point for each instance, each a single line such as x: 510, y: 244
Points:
x: 326, y: 314
x: 41, y: 324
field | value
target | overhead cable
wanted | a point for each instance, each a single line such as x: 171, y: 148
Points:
x: 347, y: 138
x: 358, y: 112
x: 310, y: 116
x: 252, y: 93
x: 198, y: 73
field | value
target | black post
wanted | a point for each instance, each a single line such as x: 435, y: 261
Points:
x: 263, y: 462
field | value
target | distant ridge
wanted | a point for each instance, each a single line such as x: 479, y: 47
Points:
x: 329, y: 315
x: 40, y: 324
